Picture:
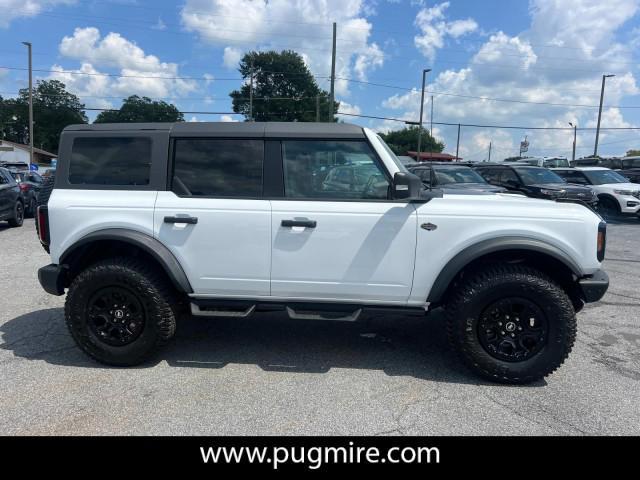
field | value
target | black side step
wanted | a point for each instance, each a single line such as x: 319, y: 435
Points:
x: 295, y: 310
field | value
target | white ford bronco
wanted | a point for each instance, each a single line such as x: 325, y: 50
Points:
x: 147, y: 222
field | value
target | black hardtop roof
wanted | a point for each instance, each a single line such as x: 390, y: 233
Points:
x: 233, y: 129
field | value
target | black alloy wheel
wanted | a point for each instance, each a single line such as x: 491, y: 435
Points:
x: 115, y: 316
x: 513, y: 329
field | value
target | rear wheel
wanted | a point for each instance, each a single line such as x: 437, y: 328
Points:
x: 120, y: 311
x: 18, y: 215
x: 511, y: 323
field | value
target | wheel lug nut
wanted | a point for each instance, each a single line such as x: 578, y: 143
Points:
x: 501, y: 333
x: 499, y: 324
x: 520, y: 328
x: 513, y: 335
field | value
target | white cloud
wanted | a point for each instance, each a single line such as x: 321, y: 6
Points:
x: 138, y: 72
x: 434, y: 29
x: 348, y: 108
x: 12, y: 9
x: 524, y: 68
x: 303, y: 25
x: 231, y: 57
x: 227, y: 118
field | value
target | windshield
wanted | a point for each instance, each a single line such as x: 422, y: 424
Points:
x: 393, y: 156
x: 533, y: 176
x: 601, y: 177
x: 447, y: 175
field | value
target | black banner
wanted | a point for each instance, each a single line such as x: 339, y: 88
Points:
x: 98, y: 455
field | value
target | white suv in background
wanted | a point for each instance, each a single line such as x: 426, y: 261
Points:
x: 616, y: 195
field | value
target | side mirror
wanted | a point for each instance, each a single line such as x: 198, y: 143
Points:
x: 406, y: 186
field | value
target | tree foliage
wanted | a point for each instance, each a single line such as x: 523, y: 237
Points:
x: 406, y: 139
x: 141, y: 109
x: 283, y: 89
x: 53, y: 109
x: 633, y: 153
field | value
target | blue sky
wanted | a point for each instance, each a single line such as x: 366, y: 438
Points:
x: 498, y: 62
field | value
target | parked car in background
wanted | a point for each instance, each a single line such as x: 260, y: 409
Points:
x: 407, y: 160
x: 536, y: 182
x: 547, y: 162
x: 585, y: 162
x: 11, y: 199
x: 630, y: 168
x: 453, y: 178
x: 19, y: 166
x: 29, y: 183
x: 616, y: 195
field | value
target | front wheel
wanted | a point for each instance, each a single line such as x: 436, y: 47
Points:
x: 120, y: 311
x: 511, y: 323
x: 608, y: 208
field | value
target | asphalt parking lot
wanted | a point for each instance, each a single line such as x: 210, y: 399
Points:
x: 271, y: 375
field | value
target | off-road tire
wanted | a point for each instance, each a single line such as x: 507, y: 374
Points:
x: 485, y: 286
x: 151, y: 287
x: 18, y: 215
x: 43, y: 199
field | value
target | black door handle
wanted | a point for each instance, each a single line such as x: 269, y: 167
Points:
x: 189, y: 220
x: 299, y: 223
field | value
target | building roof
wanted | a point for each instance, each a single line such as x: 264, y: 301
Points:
x: 26, y: 147
x: 235, y: 129
x: 433, y: 156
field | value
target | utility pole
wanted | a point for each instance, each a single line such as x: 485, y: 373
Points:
x: 575, y: 136
x: 458, y: 145
x: 333, y: 75
x: 28, y: 44
x: 317, y: 108
x: 489, y: 152
x: 251, y: 94
x: 431, y: 127
x: 424, y: 78
x: 604, y: 79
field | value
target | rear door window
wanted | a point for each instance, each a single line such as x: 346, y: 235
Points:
x: 110, y: 161
x: 218, y: 167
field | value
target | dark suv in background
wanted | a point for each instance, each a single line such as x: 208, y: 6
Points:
x: 11, y: 199
x: 29, y: 183
x: 535, y: 182
x: 453, y: 178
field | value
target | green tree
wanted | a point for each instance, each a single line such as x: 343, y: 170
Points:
x: 633, y: 153
x: 283, y: 89
x: 406, y: 139
x: 53, y: 109
x: 141, y: 109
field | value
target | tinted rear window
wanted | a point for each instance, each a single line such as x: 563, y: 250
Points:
x: 110, y: 161
x: 218, y: 168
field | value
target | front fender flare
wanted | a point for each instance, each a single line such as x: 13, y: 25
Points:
x: 493, y: 245
x: 146, y: 243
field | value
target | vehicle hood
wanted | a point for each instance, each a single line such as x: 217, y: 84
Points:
x: 621, y: 186
x: 505, y: 205
x: 559, y: 186
x: 484, y: 187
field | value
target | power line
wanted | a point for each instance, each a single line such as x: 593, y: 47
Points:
x: 203, y: 78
